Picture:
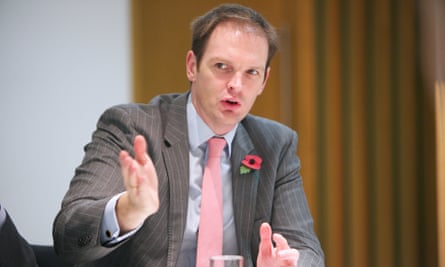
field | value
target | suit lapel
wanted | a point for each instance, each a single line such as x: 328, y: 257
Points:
x: 244, y: 188
x: 176, y: 160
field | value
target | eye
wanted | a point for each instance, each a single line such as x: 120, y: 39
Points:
x: 221, y: 66
x: 253, y: 72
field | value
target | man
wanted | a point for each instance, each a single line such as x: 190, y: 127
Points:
x: 14, y: 249
x: 136, y: 198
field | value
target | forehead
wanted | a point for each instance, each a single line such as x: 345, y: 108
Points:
x: 229, y: 37
x: 238, y: 28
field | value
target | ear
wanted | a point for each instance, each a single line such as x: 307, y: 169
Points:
x: 191, y: 65
x: 266, y: 77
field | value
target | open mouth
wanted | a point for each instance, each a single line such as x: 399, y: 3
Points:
x: 232, y: 102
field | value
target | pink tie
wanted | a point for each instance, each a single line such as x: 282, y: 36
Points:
x: 211, y: 219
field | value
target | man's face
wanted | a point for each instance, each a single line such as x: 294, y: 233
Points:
x: 230, y: 76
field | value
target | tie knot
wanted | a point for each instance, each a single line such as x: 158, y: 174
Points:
x: 215, y: 146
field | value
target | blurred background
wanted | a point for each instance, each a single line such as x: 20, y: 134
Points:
x: 361, y: 81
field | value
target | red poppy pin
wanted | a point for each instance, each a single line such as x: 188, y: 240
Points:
x: 249, y: 163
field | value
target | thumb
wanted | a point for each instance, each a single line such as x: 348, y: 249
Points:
x: 266, y: 246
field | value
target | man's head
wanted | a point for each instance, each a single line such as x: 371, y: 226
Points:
x: 203, y: 26
x: 229, y: 64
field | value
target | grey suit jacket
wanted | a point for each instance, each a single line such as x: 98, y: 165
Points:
x: 274, y: 195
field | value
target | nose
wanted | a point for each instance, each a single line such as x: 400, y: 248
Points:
x: 235, y: 83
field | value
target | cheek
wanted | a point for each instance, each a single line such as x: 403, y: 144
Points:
x: 208, y: 81
x: 260, y: 91
x: 251, y: 99
x: 256, y: 89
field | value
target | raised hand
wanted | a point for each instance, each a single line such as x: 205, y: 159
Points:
x: 141, y: 198
x: 270, y: 256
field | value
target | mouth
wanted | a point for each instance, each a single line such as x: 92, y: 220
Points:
x: 231, y: 104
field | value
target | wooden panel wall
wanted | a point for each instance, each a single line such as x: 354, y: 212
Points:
x: 440, y: 111
x: 348, y: 79
x: 432, y: 14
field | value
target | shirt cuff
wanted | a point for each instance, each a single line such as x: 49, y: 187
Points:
x: 110, y: 231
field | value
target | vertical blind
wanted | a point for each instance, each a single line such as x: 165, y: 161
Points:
x: 372, y: 131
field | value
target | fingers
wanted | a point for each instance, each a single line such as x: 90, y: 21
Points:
x: 140, y: 149
x: 128, y: 170
x: 288, y: 255
x: 280, y: 242
x: 132, y: 168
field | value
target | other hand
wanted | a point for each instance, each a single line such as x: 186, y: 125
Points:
x: 141, y: 198
x: 280, y: 255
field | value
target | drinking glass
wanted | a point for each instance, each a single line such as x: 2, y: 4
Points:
x: 227, y: 261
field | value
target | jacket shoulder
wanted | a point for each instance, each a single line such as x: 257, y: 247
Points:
x: 263, y: 127
x: 160, y: 103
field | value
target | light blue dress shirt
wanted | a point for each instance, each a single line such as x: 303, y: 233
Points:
x: 199, y: 133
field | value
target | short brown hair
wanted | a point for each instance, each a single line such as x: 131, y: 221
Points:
x: 203, y: 26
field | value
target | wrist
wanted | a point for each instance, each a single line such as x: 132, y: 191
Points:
x: 128, y: 216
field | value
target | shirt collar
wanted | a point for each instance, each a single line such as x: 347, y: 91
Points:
x: 198, y: 130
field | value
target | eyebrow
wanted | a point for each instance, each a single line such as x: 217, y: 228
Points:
x: 217, y: 59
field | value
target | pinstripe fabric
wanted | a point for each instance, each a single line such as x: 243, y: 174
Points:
x: 276, y: 196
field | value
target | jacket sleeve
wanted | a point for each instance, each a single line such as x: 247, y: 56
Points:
x: 76, y: 229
